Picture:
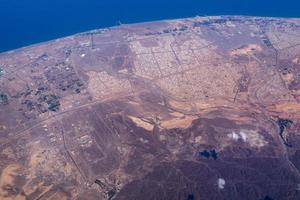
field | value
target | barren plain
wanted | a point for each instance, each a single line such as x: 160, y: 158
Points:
x: 201, y: 108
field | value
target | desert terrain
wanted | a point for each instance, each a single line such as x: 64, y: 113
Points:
x: 204, y: 108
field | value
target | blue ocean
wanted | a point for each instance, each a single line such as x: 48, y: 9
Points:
x: 25, y: 22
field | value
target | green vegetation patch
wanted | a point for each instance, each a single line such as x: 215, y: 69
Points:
x: 3, y: 98
x: 1, y: 71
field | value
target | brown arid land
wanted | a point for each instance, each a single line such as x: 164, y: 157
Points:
x: 204, y: 108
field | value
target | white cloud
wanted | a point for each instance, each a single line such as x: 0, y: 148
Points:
x: 234, y: 136
x: 243, y: 136
x: 221, y: 183
x: 250, y: 136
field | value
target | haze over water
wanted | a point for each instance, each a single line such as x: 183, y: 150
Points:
x: 25, y: 22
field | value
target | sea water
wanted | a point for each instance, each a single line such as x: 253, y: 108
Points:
x: 25, y: 22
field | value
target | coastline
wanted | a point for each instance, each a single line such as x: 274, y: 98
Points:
x: 133, y: 24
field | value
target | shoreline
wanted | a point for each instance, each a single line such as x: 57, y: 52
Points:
x: 132, y: 24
